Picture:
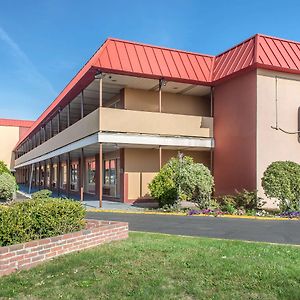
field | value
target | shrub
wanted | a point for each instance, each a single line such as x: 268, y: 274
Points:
x: 198, y: 185
x: 3, y: 168
x: 163, y: 188
x: 243, y: 200
x: 248, y: 200
x: 42, y: 194
x: 182, y: 179
x: 281, y: 180
x: 8, y: 186
x: 35, y: 219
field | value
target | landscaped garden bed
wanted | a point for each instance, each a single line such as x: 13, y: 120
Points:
x: 26, y: 255
x: 182, y: 179
x: 41, y: 228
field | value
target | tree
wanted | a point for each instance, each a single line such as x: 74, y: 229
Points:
x: 182, y: 179
x: 4, y: 168
x: 281, y: 180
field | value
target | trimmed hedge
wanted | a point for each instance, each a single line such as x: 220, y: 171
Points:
x: 39, y: 218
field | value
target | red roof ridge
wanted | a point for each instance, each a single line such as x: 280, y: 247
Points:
x: 236, y: 45
x: 158, y: 47
x: 277, y: 38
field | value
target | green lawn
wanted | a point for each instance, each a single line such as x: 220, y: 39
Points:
x: 156, y: 266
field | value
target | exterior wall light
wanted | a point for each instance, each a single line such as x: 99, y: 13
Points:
x: 162, y: 82
x: 99, y: 75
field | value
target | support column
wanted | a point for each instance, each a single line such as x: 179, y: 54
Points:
x: 82, y: 175
x: 58, y: 175
x: 68, y: 175
x: 100, y: 100
x: 160, y: 159
x: 38, y: 175
x: 160, y: 84
x: 100, y: 170
x: 45, y: 174
x: 50, y: 174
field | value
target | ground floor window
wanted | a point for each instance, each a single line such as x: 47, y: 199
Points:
x: 74, y: 176
x: 47, y: 176
x: 63, y: 177
x: 54, y: 176
x: 42, y: 176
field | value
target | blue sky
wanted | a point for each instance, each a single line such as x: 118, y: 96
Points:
x: 44, y: 43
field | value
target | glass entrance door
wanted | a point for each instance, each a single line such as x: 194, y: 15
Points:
x: 110, y: 177
x: 91, y: 176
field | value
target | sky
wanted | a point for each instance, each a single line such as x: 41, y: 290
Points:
x: 43, y: 44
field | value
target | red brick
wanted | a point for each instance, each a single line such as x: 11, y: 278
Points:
x: 4, y: 250
x: 44, y: 241
x: 38, y: 258
x: 16, y: 247
x: 51, y: 254
x: 31, y: 254
x: 16, y: 258
x: 56, y: 248
x: 23, y: 251
x: 23, y: 262
x: 7, y: 255
x: 31, y: 244
x: 56, y: 238
x: 44, y: 251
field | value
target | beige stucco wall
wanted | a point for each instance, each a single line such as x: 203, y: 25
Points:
x: 135, y: 99
x: 273, y: 145
x: 134, y: 121
x: 141, y: 165
x: 9, y: 138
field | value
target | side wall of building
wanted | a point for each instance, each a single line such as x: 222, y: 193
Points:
x: 235, y: 134
x: 9, y: 138
x: 274, y: 145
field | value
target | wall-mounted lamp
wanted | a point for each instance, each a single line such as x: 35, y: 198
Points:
x: 99, y: 75
x: 162, y: 82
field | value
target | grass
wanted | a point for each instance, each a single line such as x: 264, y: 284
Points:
x: 157, y: 266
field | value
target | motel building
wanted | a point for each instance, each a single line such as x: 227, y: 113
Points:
x: 134, y: 106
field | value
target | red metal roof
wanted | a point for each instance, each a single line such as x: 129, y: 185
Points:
x: 275, y: 53
x: 136, y: 59
x: 234, y: 59
x: 151, y: 61
x: 16, y: 123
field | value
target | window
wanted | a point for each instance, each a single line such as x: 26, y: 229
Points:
x: 91, y: 171
x: 110, y: 171
x: 74, y: 176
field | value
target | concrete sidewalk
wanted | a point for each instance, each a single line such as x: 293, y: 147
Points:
x: 89, y: 202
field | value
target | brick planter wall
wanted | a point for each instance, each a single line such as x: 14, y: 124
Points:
x: 26, y: 255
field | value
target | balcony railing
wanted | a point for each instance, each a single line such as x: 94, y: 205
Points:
x: 131, y: 121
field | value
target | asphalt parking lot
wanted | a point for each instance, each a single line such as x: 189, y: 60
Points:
x: 285, y: 232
